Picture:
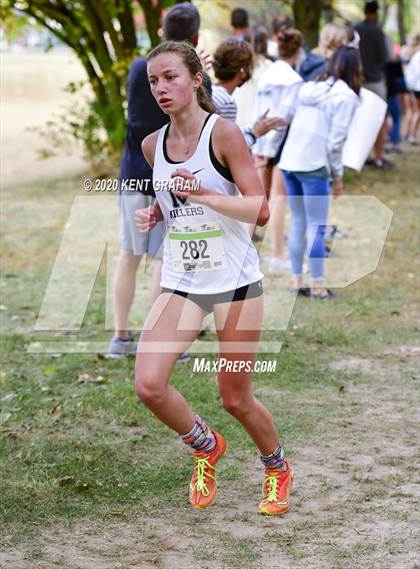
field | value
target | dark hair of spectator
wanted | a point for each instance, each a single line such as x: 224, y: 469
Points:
x: 182, y: 22
x: 230, y: 57
x: 290, y: 41
x: 345, y: 64
x: 281, y: 23
x: 371, y: 7
x: 239, y: 18
x: 350, y: 32
x: 192, y: 63
x: 259, y: 38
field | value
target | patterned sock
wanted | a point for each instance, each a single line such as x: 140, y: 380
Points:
x: 275, y: 460
x: 200, y: 438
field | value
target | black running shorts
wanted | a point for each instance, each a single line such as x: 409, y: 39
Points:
x: 207, y: 301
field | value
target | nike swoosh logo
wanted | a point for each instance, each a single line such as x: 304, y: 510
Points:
x: 197, y: 171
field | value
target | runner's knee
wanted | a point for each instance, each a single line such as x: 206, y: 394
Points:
x: 149, y: 389
x: 235, y: 403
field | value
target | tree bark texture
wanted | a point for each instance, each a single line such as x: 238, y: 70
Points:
x: 307, y: 14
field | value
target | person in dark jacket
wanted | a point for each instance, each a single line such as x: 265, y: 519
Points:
x: 144, y: 116
x: 374, y: 54
x: 395, y: 84
x: 311, y: 66
x: 239, y: 20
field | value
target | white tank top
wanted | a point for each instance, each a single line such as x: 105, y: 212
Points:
x: 204, y: 252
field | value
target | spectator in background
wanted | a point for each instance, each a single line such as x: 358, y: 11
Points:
x: 233, y: 65
x: 245, y: 95
x: 144, y: 116
x: 277, y: 93
x: 308, y: 64
x: 374, y: 54
x: 409, y: 104
x: 412, y: 78
x: 408, y: 50
x: 332, y: 36
x: 240, y: 22
x: 395, y: 84
x: 279, y: 24
x: 311, y: 155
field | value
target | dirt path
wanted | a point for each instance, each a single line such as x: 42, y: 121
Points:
x: 354, y: 502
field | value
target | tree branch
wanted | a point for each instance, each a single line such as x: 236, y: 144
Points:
x: 108, y: 26
x: 77, y: 47
x: 152, y: 15
x: 101, y: 50
x: 125, y: 17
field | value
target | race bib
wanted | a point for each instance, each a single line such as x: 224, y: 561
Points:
x: 196, y: 247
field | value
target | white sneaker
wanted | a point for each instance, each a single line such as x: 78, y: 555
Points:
x: 279, y: 265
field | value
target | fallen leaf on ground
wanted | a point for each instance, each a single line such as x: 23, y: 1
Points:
x: 86, y: 378
x: 63, y: 480
x: 56, y: 410
x: 83, y: 377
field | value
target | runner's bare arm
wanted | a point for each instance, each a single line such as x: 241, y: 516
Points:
x: 148, y: 147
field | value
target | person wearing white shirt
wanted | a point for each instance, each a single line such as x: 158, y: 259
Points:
x: 277, y: 95
x: 311, y: 156
x: 245, y: 95
x: 412, y: 79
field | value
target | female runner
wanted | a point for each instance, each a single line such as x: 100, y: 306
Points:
x: 209, y: 265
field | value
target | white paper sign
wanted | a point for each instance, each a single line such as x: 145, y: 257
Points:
x: 364, y: 128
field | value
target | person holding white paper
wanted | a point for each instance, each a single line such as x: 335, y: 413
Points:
x: 311, y: 156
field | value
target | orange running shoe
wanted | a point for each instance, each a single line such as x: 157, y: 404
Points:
x: 203, y: 485
x: 276, y: 490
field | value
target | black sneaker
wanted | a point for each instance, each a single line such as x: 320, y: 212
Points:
x: 394, y: 149
x: 330, y: 232
x: 327, y: 295
x: 383, y: 164
x: 340, y: 235
x: 301, y: 291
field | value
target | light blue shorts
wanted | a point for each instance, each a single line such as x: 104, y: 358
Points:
x: 130, y: 237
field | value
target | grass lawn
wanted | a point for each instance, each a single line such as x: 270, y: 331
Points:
x: 90, y: 480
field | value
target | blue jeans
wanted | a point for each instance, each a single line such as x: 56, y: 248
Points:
x: 309, y: 200
x: 394, y: 110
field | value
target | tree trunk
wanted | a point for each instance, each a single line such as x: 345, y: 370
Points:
x: 400, y: 17
x: 105, y: 50
x: 152, y: 13
x: 307, y: 14
x: 385, y: 8
x: 128, y: 31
